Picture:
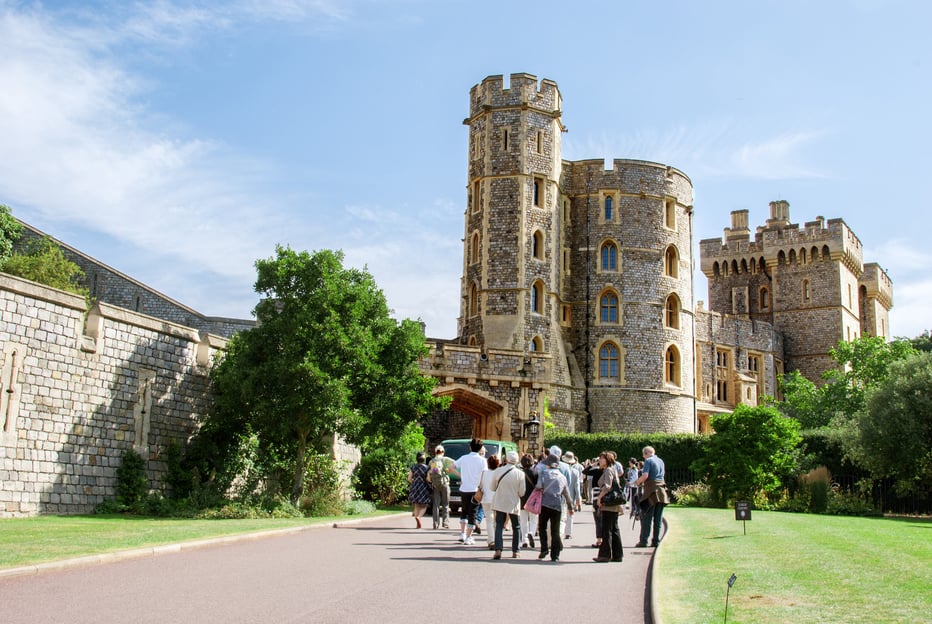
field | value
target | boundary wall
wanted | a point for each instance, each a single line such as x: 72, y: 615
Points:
x: 80, y: 387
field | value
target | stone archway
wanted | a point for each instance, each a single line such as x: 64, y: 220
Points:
x: 490, y: 419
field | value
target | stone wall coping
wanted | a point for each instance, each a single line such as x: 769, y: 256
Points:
x: 144, y: 321
x: 29, y: 288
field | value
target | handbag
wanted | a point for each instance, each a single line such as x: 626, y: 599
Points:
x: 477, y: 497
x: 615, y: 496
x: 534, y: 500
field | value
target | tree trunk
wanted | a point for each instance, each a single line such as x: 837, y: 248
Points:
x: 297, y: 486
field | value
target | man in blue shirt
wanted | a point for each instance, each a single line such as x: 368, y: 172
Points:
x: 654, y: 497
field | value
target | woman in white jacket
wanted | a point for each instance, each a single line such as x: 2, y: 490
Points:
x: 509, y: 485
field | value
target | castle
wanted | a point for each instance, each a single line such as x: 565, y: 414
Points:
x: 577, y: 301
x: 577, y: 308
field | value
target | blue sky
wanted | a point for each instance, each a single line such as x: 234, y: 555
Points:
x: 179, y: 142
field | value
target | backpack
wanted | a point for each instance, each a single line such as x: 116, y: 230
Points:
x: 436, y: 474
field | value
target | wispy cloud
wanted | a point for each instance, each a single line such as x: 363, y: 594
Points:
x: 711, y: 149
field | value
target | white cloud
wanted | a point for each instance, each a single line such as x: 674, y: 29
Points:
x: 710, y: 149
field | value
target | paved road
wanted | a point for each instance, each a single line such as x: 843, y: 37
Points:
x: 382, y: 571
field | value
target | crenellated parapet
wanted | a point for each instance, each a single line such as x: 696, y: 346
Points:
x: 523, y: 92
x: 779, y: 242
x: 878, y: 284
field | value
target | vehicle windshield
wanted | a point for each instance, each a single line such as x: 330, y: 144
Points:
x: 455, y: 450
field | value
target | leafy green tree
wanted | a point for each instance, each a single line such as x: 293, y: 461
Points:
x: 43, y: 261
x: 862, y: 364
x: 325, y: 358
x: 802, y: 401
x: 10, y: 231
x: 922, y: 342
x: 752, y: 451
x: 896, y: 428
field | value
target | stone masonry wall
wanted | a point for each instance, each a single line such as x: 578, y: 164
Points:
x: 79, y: 393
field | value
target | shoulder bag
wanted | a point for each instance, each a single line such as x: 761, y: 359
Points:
x: 615, y: 496
x: 533, y: 501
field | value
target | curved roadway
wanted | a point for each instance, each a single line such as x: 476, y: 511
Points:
x: 381, y: 570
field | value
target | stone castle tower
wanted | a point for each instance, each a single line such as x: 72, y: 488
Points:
x: 809, y: 283
x: 577, y: 303
x: 575, y: 274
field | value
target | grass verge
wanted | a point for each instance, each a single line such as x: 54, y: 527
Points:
x: 796, y: 568
x: 26, y: 541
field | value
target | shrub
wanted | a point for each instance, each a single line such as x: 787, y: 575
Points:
x: 381, y: 476
x: 358, y: 507
x: 132, y: 484
x: 322, y: 488
x: 817, y: 483
x: 693, y: 495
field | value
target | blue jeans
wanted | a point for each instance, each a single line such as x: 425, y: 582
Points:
x: 515, y: 530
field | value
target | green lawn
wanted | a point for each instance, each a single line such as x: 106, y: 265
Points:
x: 48, y: 538
x: 795, y: 568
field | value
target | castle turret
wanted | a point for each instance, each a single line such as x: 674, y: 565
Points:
x: 511, y: 260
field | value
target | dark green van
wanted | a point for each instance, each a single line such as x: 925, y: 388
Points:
x: 454, y: 449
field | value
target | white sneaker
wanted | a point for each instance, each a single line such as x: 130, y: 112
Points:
x: 469, y: 541
x: 462, y: 537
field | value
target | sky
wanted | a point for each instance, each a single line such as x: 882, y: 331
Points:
x: 179, y: 142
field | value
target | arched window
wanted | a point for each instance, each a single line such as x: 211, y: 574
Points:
x: 764, y: 299
x: 608, y: 306
x: 538, y: 245
x: 537, y: 194
x: 473, y: 300
x: 671, y: 262
x: 806, y: 294
x: 671, y: 368
x: 609, y: 362
x: 537, y: 298
x: 474, y: 250
x: 715, y: 269
x: 609, y: 257
x: 609, y: 208
x: 536, y: 344
x: 672, y: 312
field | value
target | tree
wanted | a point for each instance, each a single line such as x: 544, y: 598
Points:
x: 44, y: 262
x: 863, y: 363
x: 896, y: 427
x: 922, y: 342
x: 752, y: 451
x: 10, y: 231
x: 326, y: 358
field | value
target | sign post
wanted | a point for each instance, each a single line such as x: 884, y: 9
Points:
x: 743, y: 513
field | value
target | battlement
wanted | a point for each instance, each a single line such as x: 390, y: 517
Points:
x: 780, y: 239
x: 878, y: 284
x: 522, y: 91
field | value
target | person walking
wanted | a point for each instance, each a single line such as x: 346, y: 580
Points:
x: 554, y: 494
x: 654, y: 497
x: 469, y: 469
x: 488, y: 496
x: 419, y: 490
x: 528, y: 518
x: 593, y: 472
x: 573, y: 474
x: 509, y: 485
x: 610, y: 549
x: 438, y: 474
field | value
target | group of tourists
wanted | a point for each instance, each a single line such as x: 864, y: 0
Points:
x: 538, y: 496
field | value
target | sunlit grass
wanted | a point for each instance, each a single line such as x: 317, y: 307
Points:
x: 25, y: 541
x: 793, y: 568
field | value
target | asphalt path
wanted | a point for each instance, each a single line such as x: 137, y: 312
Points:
x: 382, y: 570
